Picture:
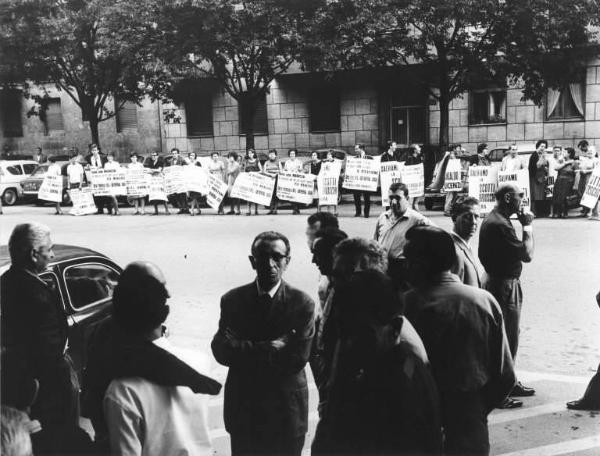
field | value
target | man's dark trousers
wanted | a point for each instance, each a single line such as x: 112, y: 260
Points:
x: 509, y: 295
x: 366, y: 197
x: 242, y: 445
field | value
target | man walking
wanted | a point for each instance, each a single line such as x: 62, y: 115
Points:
x: 264, y: 337
x: 502, y: 254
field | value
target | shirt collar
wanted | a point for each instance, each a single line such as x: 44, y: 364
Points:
x: 460, y: 239
x: 271, y: 292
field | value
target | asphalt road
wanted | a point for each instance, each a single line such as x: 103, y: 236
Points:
x: 203, y: 257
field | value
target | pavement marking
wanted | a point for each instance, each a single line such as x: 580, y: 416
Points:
x: 556, y: 449
x: 528, y: 376
x: 526, y: 412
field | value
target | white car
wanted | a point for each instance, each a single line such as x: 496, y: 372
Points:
x: 12, y: 172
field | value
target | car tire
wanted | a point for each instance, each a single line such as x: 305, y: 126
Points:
x: 10, y: 197
x: 428, y: 203
x: 66, y: 198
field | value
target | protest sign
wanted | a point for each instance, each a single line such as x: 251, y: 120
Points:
x: 137, y: 182
x: 452, y: 176
x: 174, y: 179
x: 117, y: 181
x: 99, y: 182
x: 195, y: 179
x: 519, y: 177
x: 552, y: 175
x: 295, y: 187
x: 414, y: 178
x: 483, y: 183
x: 592, y: 189
x: 51, y: 188
x: 83, y: 202
x: 361, y: 174
x: 217, y: 189
x: 156, y: 190
x: 389, y: 172
x: 254, y: 187
x: 327, y: 183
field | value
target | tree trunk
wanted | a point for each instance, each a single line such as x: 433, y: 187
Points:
x: 248, y: 108
x: 444, y: 138
x: 94, y: 130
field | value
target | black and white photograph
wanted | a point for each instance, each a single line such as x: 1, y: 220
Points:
x: 300, y: 227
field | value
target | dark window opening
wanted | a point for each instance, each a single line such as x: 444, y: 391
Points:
x: 567, y: 103
x: 487, y: 106
x: 324, y: 106
x: 259, y: 119
x: 126, y: 116
x: 11, y: 107
x: 198, y: 112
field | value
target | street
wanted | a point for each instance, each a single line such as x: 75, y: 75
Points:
x: 203, y: 257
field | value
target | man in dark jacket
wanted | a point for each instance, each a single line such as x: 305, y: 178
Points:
x: 95, y: 161
x: 181, y: 198
x: 34, y: 338
x: 265, y: 334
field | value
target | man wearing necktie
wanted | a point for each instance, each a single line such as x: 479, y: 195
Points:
x: 264, y: 337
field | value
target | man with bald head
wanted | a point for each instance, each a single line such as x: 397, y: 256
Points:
x: 142, y: 393
x: 502, y: 254
x: 34, y: 338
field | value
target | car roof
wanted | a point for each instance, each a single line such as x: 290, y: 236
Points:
x: 62, y: 252
x: 18, y: 162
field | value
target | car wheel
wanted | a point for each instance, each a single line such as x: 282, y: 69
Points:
x: 9, y: 197
x: 66, y: 198
x: 428, y: 203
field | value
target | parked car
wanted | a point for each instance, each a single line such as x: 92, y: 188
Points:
x: 12, y: 173
x: 31, y: 185
x: 496, y: 155
x: 84, y: 280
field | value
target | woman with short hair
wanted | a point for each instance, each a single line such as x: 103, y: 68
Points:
x: 233, y: 171
x: 252, y: 165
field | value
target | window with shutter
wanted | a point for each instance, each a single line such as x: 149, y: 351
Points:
x: 10, y: 112
x: 259, y: 120
x: 324, y: 105
x: 198, y: 113
x: 126, y: 116
x: 54, y: 118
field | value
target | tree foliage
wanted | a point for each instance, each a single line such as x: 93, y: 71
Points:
x: 92, y: 50
x: 463, y: 43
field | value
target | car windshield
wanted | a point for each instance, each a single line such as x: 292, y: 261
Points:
x: 40, y: 171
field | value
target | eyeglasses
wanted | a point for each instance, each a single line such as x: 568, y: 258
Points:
x: 277, y: 257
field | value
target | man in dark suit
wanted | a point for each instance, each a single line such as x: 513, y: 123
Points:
x: 265, y: 334
x: 465, y: 215
x: 97, y: 160
x: 34, y: 339
x: 181, y: 198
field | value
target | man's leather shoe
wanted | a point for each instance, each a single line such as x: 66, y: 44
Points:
x: 583, y: 404
x: 522, y: 391
x: 510, y: 403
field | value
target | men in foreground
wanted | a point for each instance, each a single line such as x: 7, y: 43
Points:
x: 316, y: 222
x: 465, y: 216
x: 502, y: 254
x: 34, y: 338
x: 391, y: 228
x: 463, y: 333
x: 142, y: 415
x: 264, y: 337
x: 382, y: 399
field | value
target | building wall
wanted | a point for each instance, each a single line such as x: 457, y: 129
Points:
x: 288, y: 123
x: 76, y: 133
x: 525, y: 122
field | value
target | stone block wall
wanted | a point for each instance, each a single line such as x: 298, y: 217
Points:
x: 76, y: 132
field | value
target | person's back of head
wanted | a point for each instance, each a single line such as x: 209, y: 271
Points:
x: 15, y: 438
x: 25, y: 238
x: 429, y: 251
x: 140, y: 299
x: 325, y: 220
x: 355, y: 254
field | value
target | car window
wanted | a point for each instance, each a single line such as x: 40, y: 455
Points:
x: 89, y: 283
x: 15, y: 170
x: 29, y: 167
x: 40, y: 171
x: 497, y: 155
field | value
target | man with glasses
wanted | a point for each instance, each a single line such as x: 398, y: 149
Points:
x: 391, y: 228
x: 264, y: 337
x: 502, y: 254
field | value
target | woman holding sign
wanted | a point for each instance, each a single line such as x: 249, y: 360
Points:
x: 252, y: 165
x: 538, y: 173
x: 54, y: 170
x: 192, y: 160
x: 563, y: 184
x: 293, y: 165
x: 138, y: 200
x: 217, y: 169
x: 233, y: 170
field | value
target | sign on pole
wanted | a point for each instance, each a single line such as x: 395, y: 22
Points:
x: 390, y: 172
x: 483, y: 183
x: 327, y: 183
x: 592, y: 189
x: 156, y: 186
x: 174, y: 179
x: 137, y: 182
x: 452, y: 176
x: 51, y: 188
x: 520, y: 177
x: 254, y: 187
x: 217, y: 189
x: 361, y: 174
x: 295, y: 187
x: 83, y: 202
x: 414, y: 178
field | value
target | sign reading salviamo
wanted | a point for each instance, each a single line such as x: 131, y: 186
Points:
x: 483, y: 183
x: 361, y: 174
x: 390, y: 172
x: 519, y: 177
